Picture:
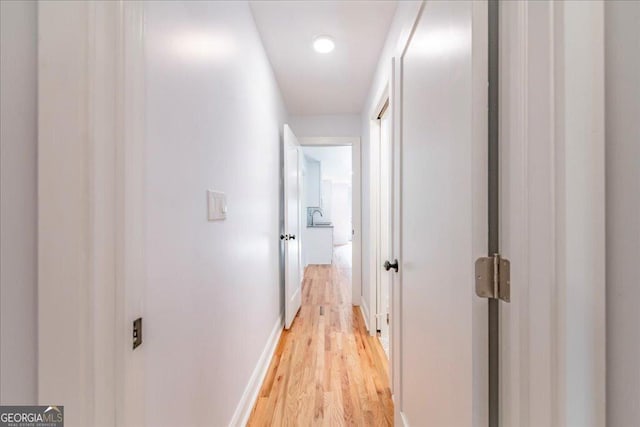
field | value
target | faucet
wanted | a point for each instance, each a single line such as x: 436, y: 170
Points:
x: 313, y: 213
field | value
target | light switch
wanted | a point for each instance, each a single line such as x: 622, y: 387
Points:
x: 217, y: 205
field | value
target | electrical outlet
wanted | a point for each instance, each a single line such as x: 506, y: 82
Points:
x: 137, y: 332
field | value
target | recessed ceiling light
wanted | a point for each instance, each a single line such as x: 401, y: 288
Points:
x: 323, y: 44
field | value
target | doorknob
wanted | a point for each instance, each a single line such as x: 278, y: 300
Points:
x: 284, y: 237
x: 292, y: 236
x: 388, y: 266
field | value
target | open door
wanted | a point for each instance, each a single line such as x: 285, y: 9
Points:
x: 443, y: 179
x: 292, y: 226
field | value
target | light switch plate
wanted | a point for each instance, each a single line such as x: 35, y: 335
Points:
x: 216, y: 205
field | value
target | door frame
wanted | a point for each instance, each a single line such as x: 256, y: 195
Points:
x: 381, y: 257
x: 552, y: 204
x: 356, y: 204
x: 91, y: 172
x: 374, y: 256
x: 389, y: 93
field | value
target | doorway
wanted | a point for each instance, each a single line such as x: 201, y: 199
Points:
x: 381, y: 225
x: 327, y: 200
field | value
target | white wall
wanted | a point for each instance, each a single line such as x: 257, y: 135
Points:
x: 579, y: 80
x: 18, y: 262
x: 396, y: 38
x: 325, y: 125
x: 336, y: 161
x: 622, y: 62
x: 341, y: 212
x: 311, y: 184
x: 214, y: 291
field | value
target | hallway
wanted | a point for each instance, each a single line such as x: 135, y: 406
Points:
x: 327, y: 370
x: 320, y: 212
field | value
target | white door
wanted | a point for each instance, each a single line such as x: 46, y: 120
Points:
x: 443, y: 378
x: 292, y: 227
x: 384, y: 238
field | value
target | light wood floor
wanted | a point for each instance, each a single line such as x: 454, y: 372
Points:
x: 326, y: 369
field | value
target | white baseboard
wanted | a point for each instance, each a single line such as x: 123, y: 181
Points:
x: 248, y: 399
x: 364, y: 310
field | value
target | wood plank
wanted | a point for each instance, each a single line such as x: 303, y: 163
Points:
x: 327, y: 370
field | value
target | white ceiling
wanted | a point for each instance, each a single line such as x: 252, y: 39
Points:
x: 332, y: 83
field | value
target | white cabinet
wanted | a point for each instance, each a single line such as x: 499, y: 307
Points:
x: 318, y: 245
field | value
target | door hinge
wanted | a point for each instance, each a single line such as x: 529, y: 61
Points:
x: 493, y: 278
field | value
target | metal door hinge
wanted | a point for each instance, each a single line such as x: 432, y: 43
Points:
x: 493, y: 278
